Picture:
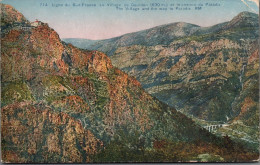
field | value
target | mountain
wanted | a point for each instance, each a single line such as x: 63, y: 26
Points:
x: 164, y: 34
x: 243, y: 20
x: 198, y: 70
x: 194, y: 73
x: 158, y: 35
x: 61, y: 104
x: 80, y: 43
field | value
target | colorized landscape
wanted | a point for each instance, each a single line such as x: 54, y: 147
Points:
x: 172, y: 93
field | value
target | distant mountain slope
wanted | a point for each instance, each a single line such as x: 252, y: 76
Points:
x: 63, y: 104
x: 163, y: 34
x: 80, y: 43
x: 243, y: 20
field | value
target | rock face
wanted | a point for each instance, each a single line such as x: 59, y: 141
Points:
x: 35, y: 133
x: 63, y: 104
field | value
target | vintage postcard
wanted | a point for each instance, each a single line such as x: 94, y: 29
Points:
x: 127, y: 81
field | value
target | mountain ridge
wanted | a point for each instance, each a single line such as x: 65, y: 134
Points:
x: 168, y: 37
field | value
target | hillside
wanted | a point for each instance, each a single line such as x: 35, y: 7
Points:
x: 61, y: 104
x: 198, y: 70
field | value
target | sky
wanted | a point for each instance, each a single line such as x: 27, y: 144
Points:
x: 102, y: 22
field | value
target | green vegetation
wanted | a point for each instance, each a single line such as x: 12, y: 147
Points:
x: 17, y: 91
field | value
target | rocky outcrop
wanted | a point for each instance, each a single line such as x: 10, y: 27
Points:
x: 42, y: 135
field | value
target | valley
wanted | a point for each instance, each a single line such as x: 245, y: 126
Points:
x: 207, y: 73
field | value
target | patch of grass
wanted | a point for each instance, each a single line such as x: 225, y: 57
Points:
x: 17, y: 91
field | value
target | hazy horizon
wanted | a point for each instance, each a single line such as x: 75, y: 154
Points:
x: 100, y: 23
x: 145, y: 29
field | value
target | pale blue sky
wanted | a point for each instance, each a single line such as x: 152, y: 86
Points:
x: 106, y: 22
